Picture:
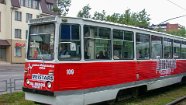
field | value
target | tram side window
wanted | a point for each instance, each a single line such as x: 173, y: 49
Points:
x: 123, y: 44
x: 177, y: 49
x: 167, y: 48
x: 183, y: 50
x: 156, y: 47
x: 97, y: 42
x: 142, y: 46
x: 69, y: 42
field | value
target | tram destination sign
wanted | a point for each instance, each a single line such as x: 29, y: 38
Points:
x: 41, y: 20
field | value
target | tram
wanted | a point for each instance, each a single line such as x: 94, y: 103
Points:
x: 77, y: 61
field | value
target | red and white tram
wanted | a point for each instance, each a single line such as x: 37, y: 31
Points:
x: 74, y: 61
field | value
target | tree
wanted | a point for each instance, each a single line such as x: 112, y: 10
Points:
x: 126, y: 17
x: 62, y: 7
x: 180, y: 32
x: 100, y: 16
x: 140, y: 19
x: 143, y: 19
x: 113, y: 18
x: 85, y: 12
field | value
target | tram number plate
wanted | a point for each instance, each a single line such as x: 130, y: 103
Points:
x: 37, y: 85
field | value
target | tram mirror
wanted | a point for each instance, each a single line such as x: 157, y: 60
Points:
x: 72, y: 47
x: 175, y: 56
x: 157, y: 57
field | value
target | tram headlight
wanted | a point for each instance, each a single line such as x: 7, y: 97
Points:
x: 26, y: 71
x: 27, y: 81
x: 51, y: 72
x: 49, y: 85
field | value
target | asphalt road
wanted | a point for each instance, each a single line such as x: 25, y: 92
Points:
x: 11, y: 73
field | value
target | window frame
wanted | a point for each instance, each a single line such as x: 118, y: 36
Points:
x: 96, y: 37
x: 161, y: 40
x: 168, y: 40
x: 0, y: 21
x: 123, y: 40
x: 18, y: 16
x: 27, y: 34
x: 175, y: 56
x: 69, y: 40
x: 149, y: 41
x: 50, y: 6
x: 183, y: 43
x: 28, y: 17
x: 20, y: 48
x: 29, y: 44
x: 18, y: 33
x: 34, y: 4
x: 2, y: 2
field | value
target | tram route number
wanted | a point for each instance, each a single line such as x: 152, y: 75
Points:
x: 70, y: 71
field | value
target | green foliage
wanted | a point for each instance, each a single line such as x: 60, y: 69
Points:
x: 157, y: 97
x: 85, y: 12
x: 100, y: 16
x: 113, y: 18
x: 62, y: 7
x: 140, y: 19
x: 143, y: 19
x: 180, y: 32
x: 16, y: 98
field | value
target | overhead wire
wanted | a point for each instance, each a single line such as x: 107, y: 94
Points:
x: 176, y: 5
x: 177, y: 16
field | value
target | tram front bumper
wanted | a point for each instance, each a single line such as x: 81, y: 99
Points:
x: 42, y: 92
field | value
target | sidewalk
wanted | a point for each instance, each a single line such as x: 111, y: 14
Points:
x: 7, y: 65
x: 4, y: 63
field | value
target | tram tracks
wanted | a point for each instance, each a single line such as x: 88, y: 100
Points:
x: 178, y: 101
x: 161, y: 96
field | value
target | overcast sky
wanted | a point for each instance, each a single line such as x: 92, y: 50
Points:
x: 159, y: 10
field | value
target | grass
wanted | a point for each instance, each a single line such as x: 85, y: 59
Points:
x: 160, y: 96
x: 157, y: 97
x: 16, y: 98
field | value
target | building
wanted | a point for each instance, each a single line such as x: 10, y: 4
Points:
x: 14, y: 16
x: 167, y: 27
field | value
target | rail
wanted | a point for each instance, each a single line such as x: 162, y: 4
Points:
x: 175, y: 102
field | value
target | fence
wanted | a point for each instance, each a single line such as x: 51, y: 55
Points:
x: 11, y: 85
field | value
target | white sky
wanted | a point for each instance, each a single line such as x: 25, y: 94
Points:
x: 159, y: 10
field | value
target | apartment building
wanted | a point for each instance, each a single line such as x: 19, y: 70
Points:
x: 167, y: 27
x: 14, y: 17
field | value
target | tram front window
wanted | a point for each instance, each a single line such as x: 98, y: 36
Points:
x: 41, y: 42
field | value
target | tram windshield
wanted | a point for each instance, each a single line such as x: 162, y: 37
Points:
x: 41, y: 42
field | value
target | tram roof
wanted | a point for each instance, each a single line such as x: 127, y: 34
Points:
x: 116, y: 24
x: 124, y: 25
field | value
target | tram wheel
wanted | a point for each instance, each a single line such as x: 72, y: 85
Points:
x: 183, y: 81
x: 38, y: 103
